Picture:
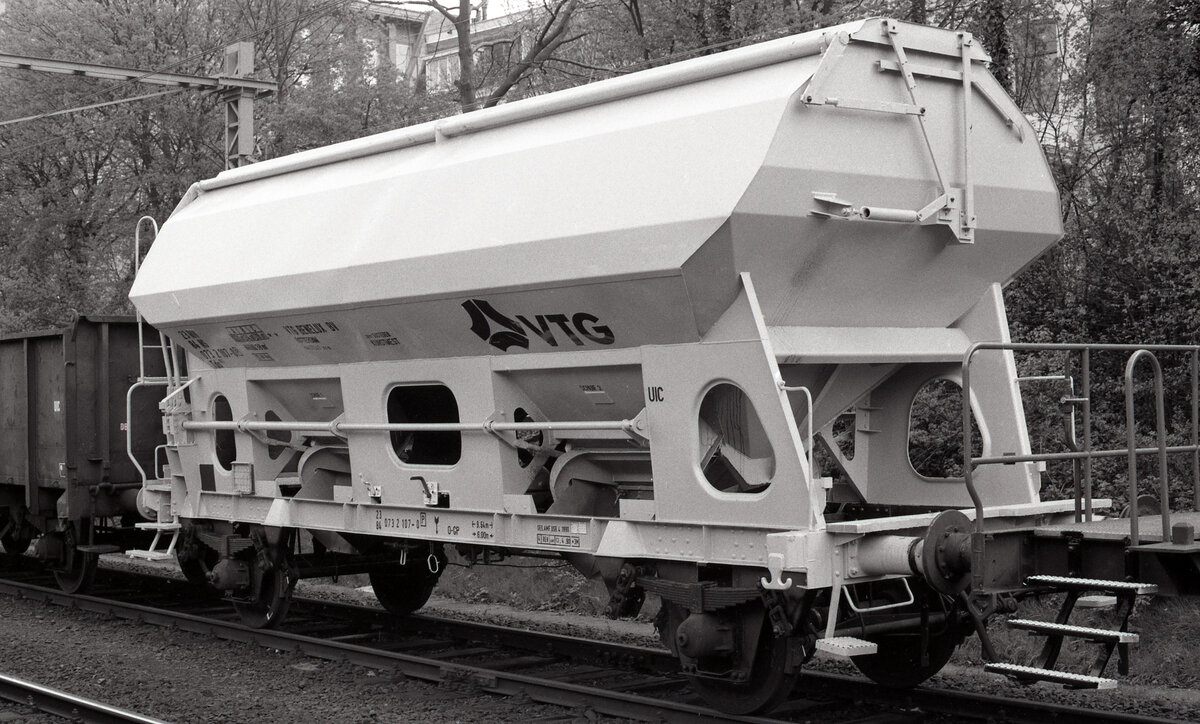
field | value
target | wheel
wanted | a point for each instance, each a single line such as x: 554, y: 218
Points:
x: 196, y: 567
x: 768, y: 684
x: 402, y: 591
x: 80, y: 574
x: 269, y: 604
x: 897, y: 663
x: 196, y: 560
x: 768, y: 687
x: 79, y: 568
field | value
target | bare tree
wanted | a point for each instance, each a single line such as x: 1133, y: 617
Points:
x: 553, y: 25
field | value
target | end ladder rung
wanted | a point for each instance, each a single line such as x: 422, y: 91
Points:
x: 1097, y: 601
x: 1066, y: 678
x: 157, y: 526
x: 1079, y: 632
x: 1092, y: 584
x: 98, y: 549
x: 150, y: 555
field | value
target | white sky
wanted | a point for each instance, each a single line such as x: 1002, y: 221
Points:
x: 496, y: 8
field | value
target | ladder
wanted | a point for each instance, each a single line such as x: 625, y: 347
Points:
x: 1122, y: 594
x: 172, y: 380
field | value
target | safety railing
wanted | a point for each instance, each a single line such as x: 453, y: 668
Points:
x: 808, y: 417
x: 1082, y: 451
x: 338, y: 428
x: 172, y: 377
x: 143, y: 380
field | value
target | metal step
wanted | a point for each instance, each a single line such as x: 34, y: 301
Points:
x: 844, y: 647
x: 1068, y: 583
x: 1066, y: 678
x: 1080, y: 632
x: 157, y: 526
x: 99, y: 548
x: 1096, y: 601
x: 151, y: 555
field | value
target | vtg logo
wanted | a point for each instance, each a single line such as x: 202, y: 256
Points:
x: 504, y: 332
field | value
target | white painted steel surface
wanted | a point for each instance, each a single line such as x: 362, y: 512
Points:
x: 636, y: 201
x: 654, y: 238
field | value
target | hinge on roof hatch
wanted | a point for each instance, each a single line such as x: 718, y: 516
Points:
x: 954, y: 207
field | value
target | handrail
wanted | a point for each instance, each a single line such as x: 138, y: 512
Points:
x: 1196, y: 429
x: 129, y: 424
x: 815, y: 511
x: 809, y: 417
x: 336, y: 427
x: 1087, y: 453
x: 137, y: 265
x: 142, y: 380
x: 1164, y: 500
x: 1071, y: 437
x: 1077, y: 455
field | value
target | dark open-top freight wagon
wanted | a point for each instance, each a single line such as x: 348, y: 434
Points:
x: 64, y: 440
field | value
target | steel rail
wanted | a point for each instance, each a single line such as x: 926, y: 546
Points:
x: 69, y: 706
x: 491, y: 681
x: 812, y: 683
x: 966, y: 705
x: 658, y: 661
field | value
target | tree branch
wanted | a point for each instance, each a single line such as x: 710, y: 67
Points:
x: 550, y: 37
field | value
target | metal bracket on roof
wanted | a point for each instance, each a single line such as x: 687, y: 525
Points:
x: 836, y: 46
x: 953, y: 208
x: 966, y: 228
x: 929, y: 71
x: 865, y: 104
x: 829, y: 206
x: 946, y: 209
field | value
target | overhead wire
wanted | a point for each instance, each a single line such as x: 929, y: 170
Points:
x: 315, y: 11
x: 93, y: 106
x: 311, y: 12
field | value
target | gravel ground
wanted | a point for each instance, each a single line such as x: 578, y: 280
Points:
x: 184, y: 677
x: 963, y: 674
x: 11, y: 713
x: 188, y: 678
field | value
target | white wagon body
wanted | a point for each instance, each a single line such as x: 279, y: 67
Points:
x: 611, y: 321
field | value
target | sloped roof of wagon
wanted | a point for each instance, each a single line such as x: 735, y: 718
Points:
x: 618, y: 180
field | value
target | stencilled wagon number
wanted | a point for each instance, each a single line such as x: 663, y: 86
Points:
x: 383, y: 522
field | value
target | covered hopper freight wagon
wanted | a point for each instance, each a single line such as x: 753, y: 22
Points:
x: 624, y: 324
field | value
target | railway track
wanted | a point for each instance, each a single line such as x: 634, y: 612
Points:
x: 67, y: 705
x: 610, y: 679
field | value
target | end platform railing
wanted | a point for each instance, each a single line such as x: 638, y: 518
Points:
x: 1082, y: 451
